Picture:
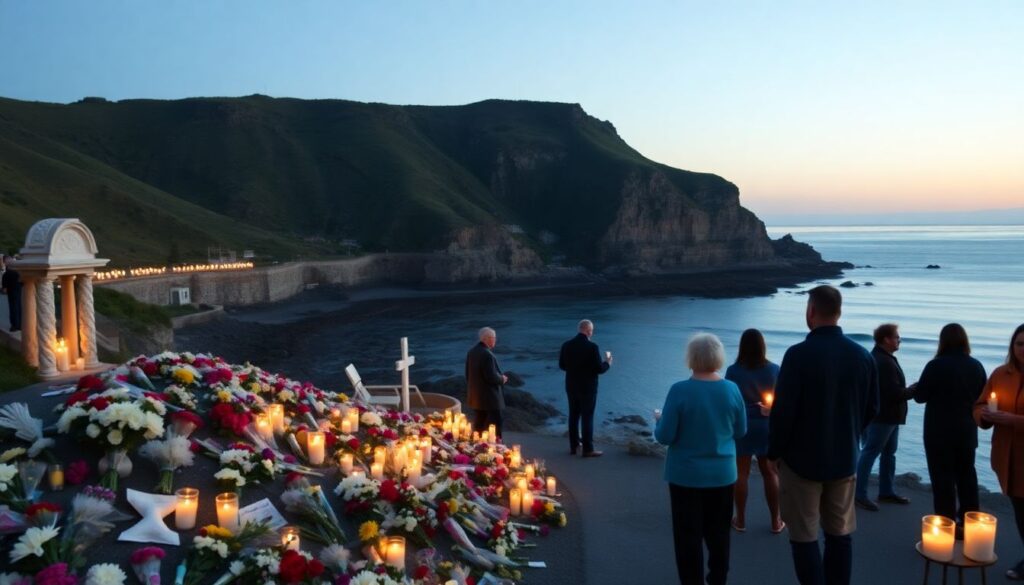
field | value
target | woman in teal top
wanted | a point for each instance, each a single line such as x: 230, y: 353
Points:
x: 700, y: 422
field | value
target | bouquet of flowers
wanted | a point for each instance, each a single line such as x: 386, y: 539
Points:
x: 11, y: 489
x: 409, y: 514
x: 309, y: 503
x: 361, y: 497
x: 268, y: 565
x: 242, y: 464
x: 17, y: 418
x: 212, y: 547
x: 92, y: 515
x: 169, y: 454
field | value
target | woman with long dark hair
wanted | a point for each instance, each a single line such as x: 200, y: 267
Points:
x: 756, y: 377
x: 1007, y: 385
x: 949, y: 386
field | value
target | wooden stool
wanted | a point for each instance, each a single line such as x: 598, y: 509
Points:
x: 959, y: 561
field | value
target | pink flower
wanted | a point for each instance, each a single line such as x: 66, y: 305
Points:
x: 144, y: 554
x: 56, y: 574
x: 77, y: 472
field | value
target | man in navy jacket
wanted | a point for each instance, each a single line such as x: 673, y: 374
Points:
x: 484, y: 382
x: 581, y: 360
x: 826, y: 395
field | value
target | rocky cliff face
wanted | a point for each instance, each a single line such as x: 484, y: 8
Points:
x: 659, y: 229
x: 483, y: 254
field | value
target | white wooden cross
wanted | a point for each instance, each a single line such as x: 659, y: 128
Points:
x: 403, y: 366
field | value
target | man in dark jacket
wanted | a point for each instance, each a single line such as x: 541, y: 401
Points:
x: 581, y: 360
x: 10, y: 285
x: 483, y: 383
x: 826, y: 395
x: 882, y: 436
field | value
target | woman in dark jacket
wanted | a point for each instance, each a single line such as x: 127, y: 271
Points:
x: 949, y: 385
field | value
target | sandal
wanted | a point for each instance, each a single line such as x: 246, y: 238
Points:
x: 737, y: 527
x: 782, y: 526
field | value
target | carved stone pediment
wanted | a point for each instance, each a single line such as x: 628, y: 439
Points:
x: 59, y: 243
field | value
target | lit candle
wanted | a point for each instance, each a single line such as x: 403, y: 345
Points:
x: 353, y: 417
x: 360, y: 472
x: 395, y: 552
x: 315, y: 447
x: 277, y: 417
x: 529, y: 472
x: 768, y: 398
x: 414, y: 472
x: 346, y: 426
x: 377, y: 471
x: 993, y: 402
x: 62, y: 355
x: 346, y: 463
x: 398, y: 458
x: 186, y: 507
x: 80, y: 363
x: 476, y: 436
x: 527, y: 502
x: 515, y: 501
x: 264, y: 426
x: 516, y: 460
x: 227, y: 511
x: 290, y: 539
x: 980, y: 536
x: 380, y: 455
x: 492, y: 433
x: 937, y: 538
x: 335, y: 413
x: 56, y: 476
x: 425, y: 449
x: 552, y: 485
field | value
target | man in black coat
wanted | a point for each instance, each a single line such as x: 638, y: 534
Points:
x: 483, y: 383
x: 882, y: 435
x: 581, y: 360
x: 10, y: 285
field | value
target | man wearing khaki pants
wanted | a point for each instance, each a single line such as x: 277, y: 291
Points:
x: 826, y: 395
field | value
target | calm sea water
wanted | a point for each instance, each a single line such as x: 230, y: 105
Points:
x: 980, y: 284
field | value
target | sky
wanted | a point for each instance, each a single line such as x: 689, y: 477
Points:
x: 815, y: 108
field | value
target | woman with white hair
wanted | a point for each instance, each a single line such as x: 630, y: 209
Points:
x: 700, y: 422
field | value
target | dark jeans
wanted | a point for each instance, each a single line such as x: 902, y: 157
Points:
x: 879, y: 439
x: 953, y: 477
x: 836, y: 567
x: 14, y: 308
x: 483, y: 418
x: 1018, y: 513
x: 700, y: 516
x: 581, y: 406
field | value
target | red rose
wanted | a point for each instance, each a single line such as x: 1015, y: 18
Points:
x: 302, y: 409
x: 184, y: 416
x: 538, y: 508
x: 390, y: 434
x: 330, y: 439
x: 292, y: 567
x: 372, y: 431
x: 77, y: 472
x: 389, y: 491
x: 353, y: 444
x: 42, y: 507
x: 76, y: 398
x: 150, y: 368
x: 314, y: 569
x: 421, y: 572
x: 99, y: 403
x: 91, y: 383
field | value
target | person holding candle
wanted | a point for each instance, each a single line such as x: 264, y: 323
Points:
x: 700, y: 422
x: 882, y: 435
x: 826, y: 395
x: 950, y: 385
x: 1007, y: 381
x: 580, y: 358
x: 755, y: 376
x: 484, y: 382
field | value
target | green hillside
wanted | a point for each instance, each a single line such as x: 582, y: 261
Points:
x: 273, y: 174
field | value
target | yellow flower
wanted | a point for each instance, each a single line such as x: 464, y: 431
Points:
x: 368, y: 531
x: 224, y: 396
x: 342, y: 398
x: 183, y: 376
x: 549, y: 508
x: 254, y: 387
x: 214, y: 531
x: 453, y: 506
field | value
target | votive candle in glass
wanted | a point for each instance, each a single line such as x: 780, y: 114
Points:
x: 277, y: 417
x: 516, y: 460
x: 346, y: 426
x: 227, y: 510
x: 527, y: 502
x: 315, y: 447
x: 56, y: 477
x: 377, y: 471
x: 937, y: 538
x: 492, y: 433
x: 993, y: 402
x: 426, y: 445
x: 353, y: 417
x: 380, y: 455
x: 358, y: 472
x: 980, y: 536
x: 346, y: 463
x: 515, y: 501
x: 290, y: 539
x: 552, y: 486
x: 186, y: 508
x: 394, y: 552
x: 530, y: 472
x: 264, y: 426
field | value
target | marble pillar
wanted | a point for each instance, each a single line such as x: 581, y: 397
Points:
x: 46, y: 327
x: 87, y: 322
x: 29, y: 340
x: 69, y: 317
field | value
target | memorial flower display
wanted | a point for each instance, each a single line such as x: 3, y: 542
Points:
x: 397, y: 482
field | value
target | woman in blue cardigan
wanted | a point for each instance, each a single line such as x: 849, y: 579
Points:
x: 700, y: 422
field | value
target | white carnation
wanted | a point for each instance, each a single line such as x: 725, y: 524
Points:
x: 105, y: 574
x: 114, y: 437
x: 93, y: 430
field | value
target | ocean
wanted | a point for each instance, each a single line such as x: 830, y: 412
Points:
x: 979, y: 283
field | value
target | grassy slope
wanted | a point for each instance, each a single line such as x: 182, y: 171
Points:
x: 14, y: 372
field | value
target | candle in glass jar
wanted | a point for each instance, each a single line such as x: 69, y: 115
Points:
x: 394, y: 555
x: 358, y: 472
x: 980, y: 536
x: 186, y: 508
x: 515, y: 501
x: 80, y: 363
x: 61, y: 350
x: 264, y: 426
x: 56, y: 476
x: 552, y: 486
x: 937, y: 538
x: 346, y: 463
x: 227, y: 510
x: 993, y: 402
x: 276, y: 412
x: 529, y: 472
x: 492, y: 433
x: 521, y: 482
x: 346, y: 426
x: 515, y: 460
x: 315, y: 447
x: 425, y: 449
x: 353, y: 417
x: 377, y: 471
x: 527, y: 502
x: 290, y: 539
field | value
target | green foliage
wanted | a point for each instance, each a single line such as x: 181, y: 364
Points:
x: 126, y: 311
x: 14, y: 372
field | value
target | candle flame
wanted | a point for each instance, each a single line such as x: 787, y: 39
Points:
x: 769, y: 398
x: 992, y: 396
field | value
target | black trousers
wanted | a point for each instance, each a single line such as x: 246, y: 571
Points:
x: 581, y: 409
x: 14, y: 308
x: 953, y: 477
x: 484, y: 418
x: 1018, y: 513
x: 701, y: 516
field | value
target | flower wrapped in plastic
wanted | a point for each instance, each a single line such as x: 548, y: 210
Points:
x: 212, y: 548
x: 362, y: 498
x: 92, y: 515
x: 169, y: 455
x: 309, y: 503
x: 12, y: 492
x: 16, y: 417
x: 146, y: 564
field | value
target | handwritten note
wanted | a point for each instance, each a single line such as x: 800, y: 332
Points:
x: 261, y: 510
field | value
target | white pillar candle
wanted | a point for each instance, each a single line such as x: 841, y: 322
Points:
x: 358, y: 472
x: 414, y: 476
x: 529, y: 472
x: 380, y: 455
x: 515, y: 501
x: 492, y: 433
x: 394, y: 555
x: 552, y: 486
x: 346, y: 463
x: 937, y: 538
x: 377, y: 471
x: 425, y: 449
x: 290, y: 538
x: 80, y: 363
x: 186, y: 508
x: 61, y: 351
x: 227, y: 511
x: 315, y: 447
x: 527, y: 502
x: 993, y: 402
x: 346, y: 426
x: 521, y: 482
x: 276, y: 412
x: 264, y: 426
x: 353, y: 417
x: 515, y: 460
x: 980, y: 536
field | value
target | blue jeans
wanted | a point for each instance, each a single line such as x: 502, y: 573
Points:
x: 879, y: 439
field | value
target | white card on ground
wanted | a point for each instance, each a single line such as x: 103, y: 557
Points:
x: 261, y: 510
x: 537, y: 565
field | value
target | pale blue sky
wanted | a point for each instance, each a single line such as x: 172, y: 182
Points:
x: 807, y: 106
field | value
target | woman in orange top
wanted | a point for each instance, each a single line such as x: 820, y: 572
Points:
x: 1007, y: 382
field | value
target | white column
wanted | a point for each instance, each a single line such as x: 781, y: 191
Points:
x: 69, y: 317
x: 29, y: 341
x: 87, y: 321
x: 46, y: 328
